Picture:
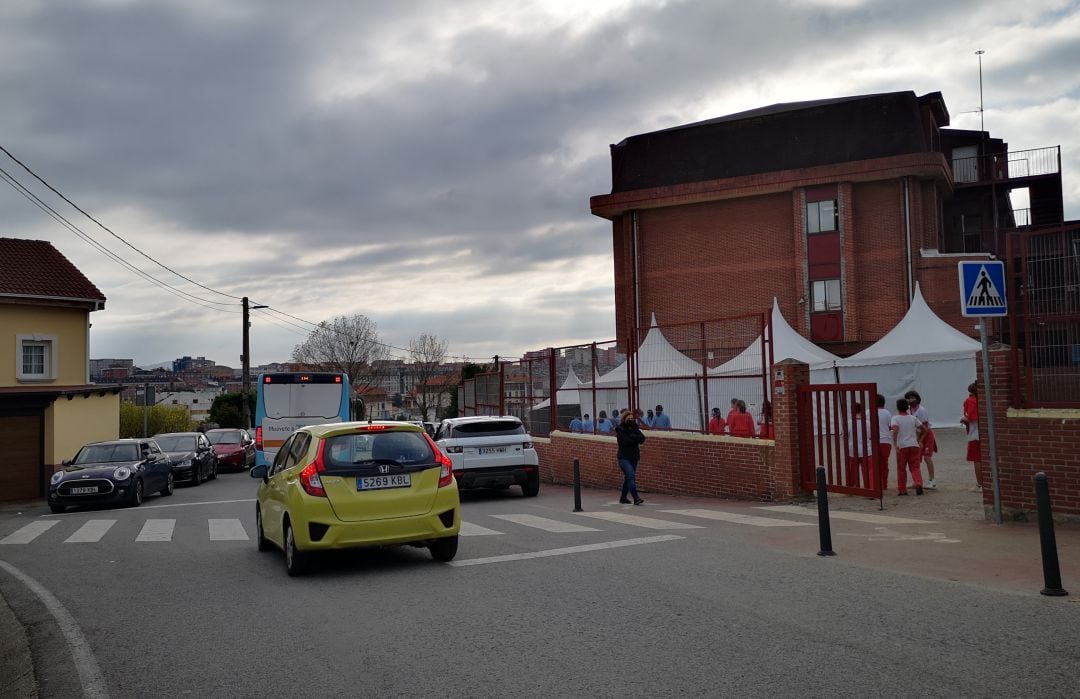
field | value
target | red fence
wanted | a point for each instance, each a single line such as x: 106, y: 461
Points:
x: 689, y: 369
x: 838, y: 429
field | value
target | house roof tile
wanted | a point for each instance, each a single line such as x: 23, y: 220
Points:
x: 35, y: 268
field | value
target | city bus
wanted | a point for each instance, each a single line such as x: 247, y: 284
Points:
x: 287, y: 401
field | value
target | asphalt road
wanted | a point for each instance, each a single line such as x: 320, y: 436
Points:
x: 611, y: 607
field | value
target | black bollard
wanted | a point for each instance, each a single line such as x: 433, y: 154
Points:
x: 1051, y: 569
x: 577, y: 486
x: 824, y: 529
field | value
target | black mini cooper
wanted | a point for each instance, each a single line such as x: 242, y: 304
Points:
x: 121, y: 471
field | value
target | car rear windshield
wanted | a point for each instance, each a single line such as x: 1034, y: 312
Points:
x: 105, y: 453
x: 488, y: 428
x: 177, y: 443
x: 223, y: 437
x: 347, y: 451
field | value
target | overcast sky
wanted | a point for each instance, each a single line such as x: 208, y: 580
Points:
x: 429, y: 164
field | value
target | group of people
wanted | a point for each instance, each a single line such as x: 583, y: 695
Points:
x: 658, y: 420
x: 911, y: 435
x: 740, y: 423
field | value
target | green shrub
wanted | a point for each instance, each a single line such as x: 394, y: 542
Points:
x: 160, y: 418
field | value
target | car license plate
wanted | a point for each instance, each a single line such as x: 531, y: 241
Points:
x: 491, y: 450
x: 87, y: 490
x: 398, y: 480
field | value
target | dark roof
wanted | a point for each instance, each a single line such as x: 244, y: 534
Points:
x: 784, y: 136
x: 35, y: 268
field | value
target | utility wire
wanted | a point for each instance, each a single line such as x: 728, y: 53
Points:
x: 59, y: 218
x: 109, y: 230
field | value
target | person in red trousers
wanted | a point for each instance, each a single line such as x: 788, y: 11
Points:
x: 970, y: 420
x: 884, y: 420
x: 907, y: 431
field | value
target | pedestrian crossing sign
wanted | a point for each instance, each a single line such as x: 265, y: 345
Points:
x: 982, y: 289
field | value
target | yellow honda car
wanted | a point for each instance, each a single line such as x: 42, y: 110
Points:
x: 357, y: 484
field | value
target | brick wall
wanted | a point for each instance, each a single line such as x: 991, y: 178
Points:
x: 1028, y: 441
x: 682, y: 463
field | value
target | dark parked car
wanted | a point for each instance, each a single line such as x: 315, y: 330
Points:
x: 120, y: 471
x: 234, y: 448
x: 191, y: 455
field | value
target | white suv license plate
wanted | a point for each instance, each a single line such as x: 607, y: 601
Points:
x: 491, y: 450
x: 89, y: 490
x: 398, y: 480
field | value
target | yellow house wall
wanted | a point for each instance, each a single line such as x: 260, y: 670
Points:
x: 69, y: 424
x: 67, y: 324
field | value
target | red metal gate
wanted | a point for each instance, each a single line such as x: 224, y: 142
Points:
x: 838, y: 429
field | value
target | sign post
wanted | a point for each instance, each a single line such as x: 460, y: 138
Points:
x: 982, y: 295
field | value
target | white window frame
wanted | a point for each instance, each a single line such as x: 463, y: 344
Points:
x: 52, y: 356
x: 824, y: 299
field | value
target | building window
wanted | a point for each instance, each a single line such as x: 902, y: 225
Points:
x: 822, y: 216
x: 36, y: 357
x: 825, y: 295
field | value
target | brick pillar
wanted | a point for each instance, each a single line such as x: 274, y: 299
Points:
x: 1000, y: 391
x: 787, y: 376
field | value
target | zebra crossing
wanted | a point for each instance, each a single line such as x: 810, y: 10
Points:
x: 161, y: 530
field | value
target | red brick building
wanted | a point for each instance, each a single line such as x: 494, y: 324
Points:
x: 836, y: 207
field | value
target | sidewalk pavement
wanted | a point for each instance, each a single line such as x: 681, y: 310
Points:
x: 16, y: 665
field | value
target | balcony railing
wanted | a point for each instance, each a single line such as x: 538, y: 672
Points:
x: 1007, y: 166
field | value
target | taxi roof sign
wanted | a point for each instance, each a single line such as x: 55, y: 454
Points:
x: 982, y: 289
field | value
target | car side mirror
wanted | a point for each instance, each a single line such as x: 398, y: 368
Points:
x: 258, y: 472
x: 65, y: 462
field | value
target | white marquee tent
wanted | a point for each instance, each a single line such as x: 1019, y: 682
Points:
x: 922, y: 353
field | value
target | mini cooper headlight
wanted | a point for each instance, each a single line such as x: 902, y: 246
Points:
x: 122, y: 474
x: 185, y: 463
x: 57, y: 477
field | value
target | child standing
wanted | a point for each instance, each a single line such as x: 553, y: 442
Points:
x: 970, y: 420
x: 716, y: 423
x: 884, y: 420
x: 907, y: 432
x: 741, y: 423
x: 928, y: 441
x: 858, y: 448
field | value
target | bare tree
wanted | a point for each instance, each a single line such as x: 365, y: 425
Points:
x: 349, y: 344
x: 428, y: 353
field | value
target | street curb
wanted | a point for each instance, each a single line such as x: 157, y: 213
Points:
x: 16, y: 664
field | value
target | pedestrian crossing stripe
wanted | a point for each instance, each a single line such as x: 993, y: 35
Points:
x: 982, y: 288
x: 737, y: 518
x: 29, y: 532
x: 637, y: 521
x: 548, y: 525
x: 91, y: 531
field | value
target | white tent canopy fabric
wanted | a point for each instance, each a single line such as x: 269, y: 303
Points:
x: 922, y: 353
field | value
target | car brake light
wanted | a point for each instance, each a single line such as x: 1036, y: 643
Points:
x: 309, y: 477
x: 446, y: 466
x: 258, y: 438
x: 455, y: 450
x: 373, y: 428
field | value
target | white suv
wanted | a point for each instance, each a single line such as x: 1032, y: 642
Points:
x: 490, y: 452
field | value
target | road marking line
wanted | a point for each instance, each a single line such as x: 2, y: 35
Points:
x: 91, y: 532
x: 470, y: 529
x: 157, y: 530
x: 158, y: 507
x: 86, y: 665
x: 853, y: 516
x: 739, y: 519
x: 636, y: 521
x: 548, y: 525
x: 28, y: 533
x: 227, y: 530
x: 564, y: 551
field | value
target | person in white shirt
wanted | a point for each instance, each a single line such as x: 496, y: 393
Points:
x: 907, y: 432
x: 884, y: 420
x: 859, y: 447
x: 928, y: 441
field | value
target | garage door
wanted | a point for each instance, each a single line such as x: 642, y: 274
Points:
x: 20, y: 465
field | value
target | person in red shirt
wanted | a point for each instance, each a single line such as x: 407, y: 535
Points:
x: 716, y: 423
x: 970, y: 420
x: 741, y: 423
x: 765, y: 428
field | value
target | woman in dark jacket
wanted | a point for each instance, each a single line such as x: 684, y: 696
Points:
x: 630, y: 439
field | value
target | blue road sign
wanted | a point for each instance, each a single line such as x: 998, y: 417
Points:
x: 982, y: 289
